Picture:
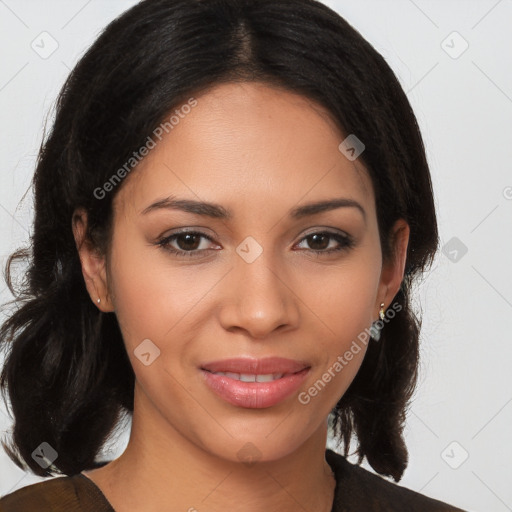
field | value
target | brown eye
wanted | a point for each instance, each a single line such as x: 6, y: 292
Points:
x: 319, y: 242
x: 187, y: 243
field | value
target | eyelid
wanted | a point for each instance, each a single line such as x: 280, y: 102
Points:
x: 345, y: 241
x: 325, y: 229
x: 165, y: 241
x: 311, y: 231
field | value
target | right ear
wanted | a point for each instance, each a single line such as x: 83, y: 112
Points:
x: 92, y: 262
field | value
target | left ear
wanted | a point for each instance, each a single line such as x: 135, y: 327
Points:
x: 392, y: 273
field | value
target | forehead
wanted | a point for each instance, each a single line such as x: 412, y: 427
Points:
x: 251, y: 142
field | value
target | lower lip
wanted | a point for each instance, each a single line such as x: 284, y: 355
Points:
x: 254, y: 395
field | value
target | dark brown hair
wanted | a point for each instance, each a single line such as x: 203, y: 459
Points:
x: 67, y: 372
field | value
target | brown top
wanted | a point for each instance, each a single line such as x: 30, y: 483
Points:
x: 357, y: 490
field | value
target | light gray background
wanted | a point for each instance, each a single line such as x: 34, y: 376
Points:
x: 463, y: 101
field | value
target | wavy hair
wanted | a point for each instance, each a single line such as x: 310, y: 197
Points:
x: 66, y: 373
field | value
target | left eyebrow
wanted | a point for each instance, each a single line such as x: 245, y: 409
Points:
x: 219, y: 212
x: 324, y: 206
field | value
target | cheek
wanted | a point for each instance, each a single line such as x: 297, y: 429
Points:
x: 344, y: 298
x: 152, y: 298
x: 157, y: 303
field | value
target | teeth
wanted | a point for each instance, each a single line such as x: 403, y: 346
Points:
x: 265, y: 378
x: 249, y: 377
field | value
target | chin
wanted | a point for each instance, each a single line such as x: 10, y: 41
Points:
x: 267, y: 443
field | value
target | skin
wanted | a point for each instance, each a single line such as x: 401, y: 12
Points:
x: 259, y: 152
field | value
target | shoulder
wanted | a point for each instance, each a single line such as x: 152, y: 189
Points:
x: 55, y: 495
x: 360, y: 489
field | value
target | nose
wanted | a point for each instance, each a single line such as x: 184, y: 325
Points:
x: 259, y: 298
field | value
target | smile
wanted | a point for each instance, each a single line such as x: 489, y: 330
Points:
x: 248, y: 377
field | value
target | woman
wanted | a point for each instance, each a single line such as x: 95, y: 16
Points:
x: 230, y: 210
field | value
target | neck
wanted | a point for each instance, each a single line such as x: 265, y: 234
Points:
x: 164, y: 468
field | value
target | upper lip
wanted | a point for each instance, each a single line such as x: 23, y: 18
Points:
x: 262, y: 366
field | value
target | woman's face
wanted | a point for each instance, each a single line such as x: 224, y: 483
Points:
x: 262, y: 276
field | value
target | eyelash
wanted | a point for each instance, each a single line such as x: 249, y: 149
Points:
x: 346, y: 242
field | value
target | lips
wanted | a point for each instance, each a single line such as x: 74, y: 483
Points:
x: 269, y: 365
x: 254, y: 383
x: 249, y: 377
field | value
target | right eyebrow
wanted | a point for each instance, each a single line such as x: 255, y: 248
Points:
x: 219, y: 212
